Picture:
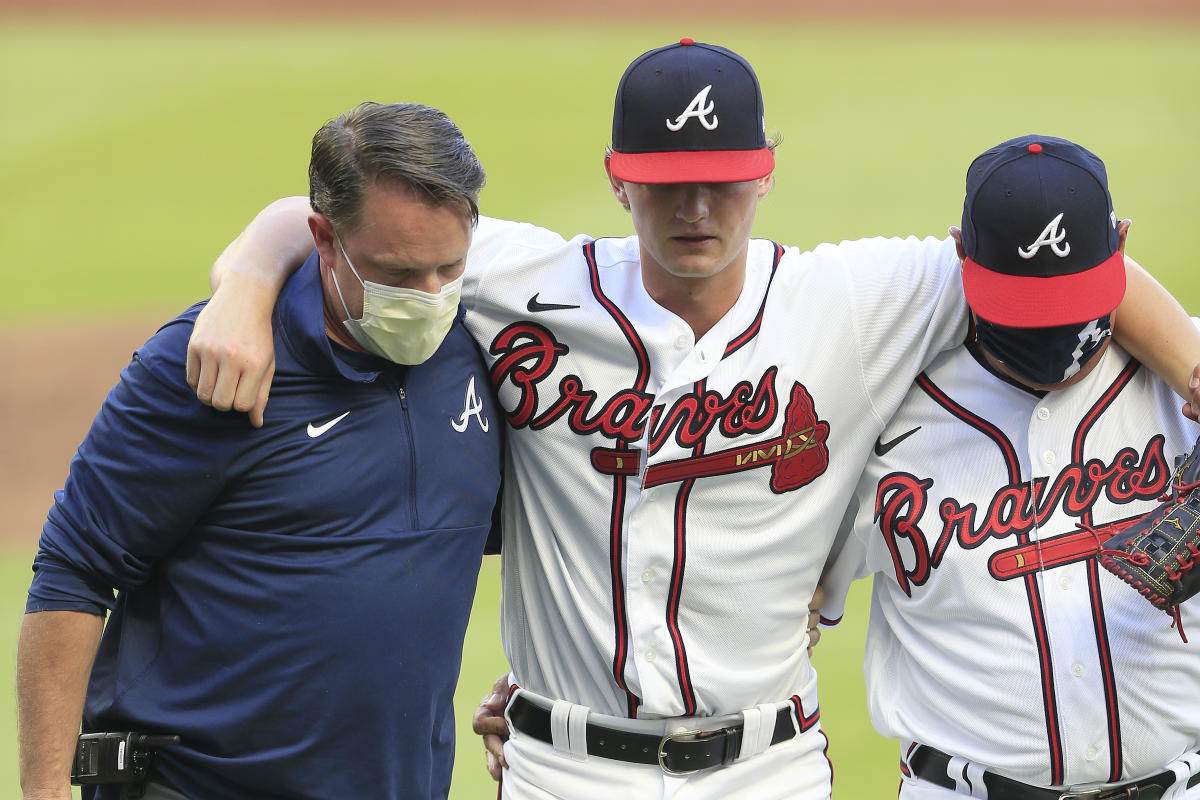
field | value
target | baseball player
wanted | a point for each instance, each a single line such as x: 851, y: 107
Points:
x: 689, y: 410
x: 1007, y: 662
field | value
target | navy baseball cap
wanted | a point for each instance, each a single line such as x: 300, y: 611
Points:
x: 1040, y: 235
x: 689, y: 113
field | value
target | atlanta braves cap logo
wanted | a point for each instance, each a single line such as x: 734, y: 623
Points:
x: 1050, y: 235
x: 1023, y: 197
x: 689, y: 113
x: 700, y: 108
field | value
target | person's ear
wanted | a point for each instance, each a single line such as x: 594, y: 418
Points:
x: 616, y: 184
x: 324, y: 238
x: 1123, y: 233
x: 765, y: 184
x: 956, y: 235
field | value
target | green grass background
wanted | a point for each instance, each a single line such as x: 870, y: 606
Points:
x: 129, y: 155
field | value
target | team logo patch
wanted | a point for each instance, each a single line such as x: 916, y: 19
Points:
x: 472, y: 407
x: 700, y: 108
x: 1050, y: 236
x: 805, y: 455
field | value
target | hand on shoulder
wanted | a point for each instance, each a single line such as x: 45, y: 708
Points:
x: 231, y: 355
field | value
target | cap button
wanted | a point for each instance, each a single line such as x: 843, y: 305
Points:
x: 1035, y: 148
x: 687, y: 41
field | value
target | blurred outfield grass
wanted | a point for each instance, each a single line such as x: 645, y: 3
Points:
x: 129, y: 155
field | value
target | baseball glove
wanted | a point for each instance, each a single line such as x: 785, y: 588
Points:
x: 1159, y: 553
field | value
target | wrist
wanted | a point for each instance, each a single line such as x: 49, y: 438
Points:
x: 58, y: 791
x: 249, y: 284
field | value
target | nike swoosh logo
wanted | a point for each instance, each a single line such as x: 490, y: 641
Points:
x: 534, y: 306
x: 316, y: 430
x: 882, y: 449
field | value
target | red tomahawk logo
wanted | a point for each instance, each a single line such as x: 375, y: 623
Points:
x: 796, y: 457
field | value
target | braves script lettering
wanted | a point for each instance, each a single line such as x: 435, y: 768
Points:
x: 527, y: 354
x: 1016, y: 509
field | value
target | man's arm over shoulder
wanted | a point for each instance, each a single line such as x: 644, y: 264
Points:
x: 498, y: 244
x: 1154, y: 328
x: 908, y: 306
x: 231, y: 356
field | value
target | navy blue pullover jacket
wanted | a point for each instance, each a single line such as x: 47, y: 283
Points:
x: 292, y: 600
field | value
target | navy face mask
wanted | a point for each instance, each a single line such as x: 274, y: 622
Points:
x: 1043, y: 356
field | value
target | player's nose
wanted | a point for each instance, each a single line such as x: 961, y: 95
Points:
x: 693, y: 202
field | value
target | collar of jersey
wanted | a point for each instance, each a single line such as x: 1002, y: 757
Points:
x: 300, y: 320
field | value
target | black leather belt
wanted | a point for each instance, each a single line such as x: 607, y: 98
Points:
x: 930, y: 764
x: 676, y: 753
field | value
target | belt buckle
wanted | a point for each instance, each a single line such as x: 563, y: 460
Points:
x: 1097, y: 794
x: 670, y: 737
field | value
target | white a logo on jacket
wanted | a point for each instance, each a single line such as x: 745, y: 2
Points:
x: 1052, y: 236
x: 697, y: 109
x: 472, y: 407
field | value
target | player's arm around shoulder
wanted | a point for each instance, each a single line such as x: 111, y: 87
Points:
x: 501, y: 248
x: 906, y: 306
x: 1153, y: 327
x: 231, y: 355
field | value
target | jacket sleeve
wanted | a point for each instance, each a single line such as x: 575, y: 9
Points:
x: 151, y: 464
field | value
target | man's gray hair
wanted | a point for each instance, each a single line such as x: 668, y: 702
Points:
x: 406, y: 143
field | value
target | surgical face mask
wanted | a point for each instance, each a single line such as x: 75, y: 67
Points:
x: 1044, y: 356
x: 406, y: 326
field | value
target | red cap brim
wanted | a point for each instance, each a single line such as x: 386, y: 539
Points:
x: 699, y: 166
x: 1021, y: 301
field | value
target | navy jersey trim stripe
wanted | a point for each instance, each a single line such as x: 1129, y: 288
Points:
x: 687, y: 691
x: 617, y: 514
x: 739, y: 341
x: 1036, y: 612
x: 1104, y: 651
x: 1007, y: 451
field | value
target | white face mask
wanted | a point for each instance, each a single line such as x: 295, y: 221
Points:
x: 406, y: 326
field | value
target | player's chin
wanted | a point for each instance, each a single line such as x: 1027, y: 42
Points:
x: 691, y: 262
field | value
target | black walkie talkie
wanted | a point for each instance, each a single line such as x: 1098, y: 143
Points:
x: 116, y: 757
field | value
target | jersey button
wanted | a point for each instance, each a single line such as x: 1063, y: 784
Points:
x: 1077, y: 669
x: 1043, y: 413
x: 682, y: 342
x: 1091, y: 754
x: 1064, y: 581
x: 647, y: 576
x: 651, y: 655
x: 1049, y: 457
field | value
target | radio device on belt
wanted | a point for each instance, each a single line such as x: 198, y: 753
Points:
x: 115, y: 757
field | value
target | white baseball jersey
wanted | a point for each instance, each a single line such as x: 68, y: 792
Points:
x: 669, y: 503
x: 992, y: 637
